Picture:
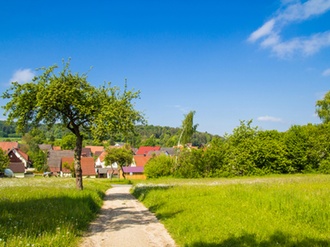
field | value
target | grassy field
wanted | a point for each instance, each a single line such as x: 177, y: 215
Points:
x: 47, y: 211
x: 268, y: 211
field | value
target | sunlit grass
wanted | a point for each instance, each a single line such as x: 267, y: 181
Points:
x: 47, y: 211
x: 273, y: 211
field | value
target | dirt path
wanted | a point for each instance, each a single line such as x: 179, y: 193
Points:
x: 125, y: 222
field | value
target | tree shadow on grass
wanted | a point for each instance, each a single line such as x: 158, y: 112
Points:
x: 277, y: 239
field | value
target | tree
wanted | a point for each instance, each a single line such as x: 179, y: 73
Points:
x: 122, y: 156
x: 69, y: 99
x: 4, y: 160
x: 188, y: 128
x: 68, y: 142
x: 323, y: 108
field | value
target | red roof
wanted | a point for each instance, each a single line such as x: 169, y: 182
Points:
x: 6, y: 146
x: 144, y: 150
x: 69, y: 161
x: 57, y: 148
x: 87, y: 165
x: 141, y: 160
x: 95, y: 149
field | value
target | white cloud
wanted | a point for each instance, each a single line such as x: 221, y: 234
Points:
x: 264, y: 30
x: 22, y: 76
x: 269, y: 119
x: 326, y: 72
x: 293, y: 11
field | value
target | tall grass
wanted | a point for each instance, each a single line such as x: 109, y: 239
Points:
x: 47, y: 211
x: 280, y: 211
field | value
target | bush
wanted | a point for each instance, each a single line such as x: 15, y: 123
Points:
x: 159, y: 166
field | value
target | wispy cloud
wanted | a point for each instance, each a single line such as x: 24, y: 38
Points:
x: 326, y: 72
x: 269, y: 119
x: 22, y: 76
x: 269, y: 34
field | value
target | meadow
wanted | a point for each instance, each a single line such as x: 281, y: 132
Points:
x: 265, y: 211
x: 47, y: 211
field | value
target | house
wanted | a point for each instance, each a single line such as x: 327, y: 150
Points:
x: 147, y: 150
x: 7, y: 146
x: 45, y: 147
x: 133, y: 172
x: 86, y: 152
x: 55, y: 158
x: 18, y: 162
x: 107, y: 172
x: 140, y: 160
x: 87, y: 166
x: 95, y: 149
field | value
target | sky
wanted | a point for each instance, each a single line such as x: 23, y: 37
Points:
x: 229, y: 61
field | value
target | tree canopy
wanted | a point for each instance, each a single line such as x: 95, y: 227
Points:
x: 323, y: 108
x: 123, y: 156
x: 68, y: 98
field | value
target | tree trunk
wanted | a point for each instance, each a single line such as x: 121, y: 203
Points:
x: 77, y: 162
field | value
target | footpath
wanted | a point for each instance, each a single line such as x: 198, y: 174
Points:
x: 124, y: 222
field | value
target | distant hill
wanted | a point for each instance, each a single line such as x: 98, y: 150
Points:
x: 147, y: 135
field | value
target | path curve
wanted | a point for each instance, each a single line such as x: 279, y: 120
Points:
x: 124, y: 222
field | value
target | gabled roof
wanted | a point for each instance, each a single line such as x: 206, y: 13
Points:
x: 54, y: 158
x: 95, y: 149
x: 86, y: 152
x: 133, y: 169
x: 144, y: 150
x: 102, y: 156
x: 169, y: 151
x: 23, y: 155
x: 141, y: 160
x: 87, y: 165
x: 69, y: 161
x: 57, y: 148
x: 45, y: 147
x: 7, y: 146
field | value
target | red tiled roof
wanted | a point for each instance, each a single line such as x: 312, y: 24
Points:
x: 141, y: 160
x: 56, y: 148
x: 87, y: 165
x: 102, y: 156
x: 69, y: 161
x: 6, y: 146
x: 24, y: 155
x: 144, y: 150
x: 95, y: 149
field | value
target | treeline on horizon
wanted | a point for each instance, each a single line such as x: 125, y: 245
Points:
x: 250, y: 151
x: 146, y: 135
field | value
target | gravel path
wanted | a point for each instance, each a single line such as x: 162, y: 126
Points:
x: 123, y: 221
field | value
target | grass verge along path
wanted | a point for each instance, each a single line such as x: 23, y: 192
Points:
x: 275, y: 211
x: 47, y: 211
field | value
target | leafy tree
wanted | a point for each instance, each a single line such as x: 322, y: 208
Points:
x: 323, y: 108
x: 188, y: 128
x: 30, y: 145
x: 159, y: 166
x: 4, y: 160
x: 69, y: 99
x: 68, y: 142
x: 123, y: 156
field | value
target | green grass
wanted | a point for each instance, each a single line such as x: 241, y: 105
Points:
x: 47, y: 211
x: 272, y: 211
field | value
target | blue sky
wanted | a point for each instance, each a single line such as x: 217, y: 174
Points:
x: 227, y: 60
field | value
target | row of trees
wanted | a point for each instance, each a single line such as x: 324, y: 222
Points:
x: 251, y: 151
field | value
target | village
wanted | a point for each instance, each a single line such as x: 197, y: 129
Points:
x: 92, y: 161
